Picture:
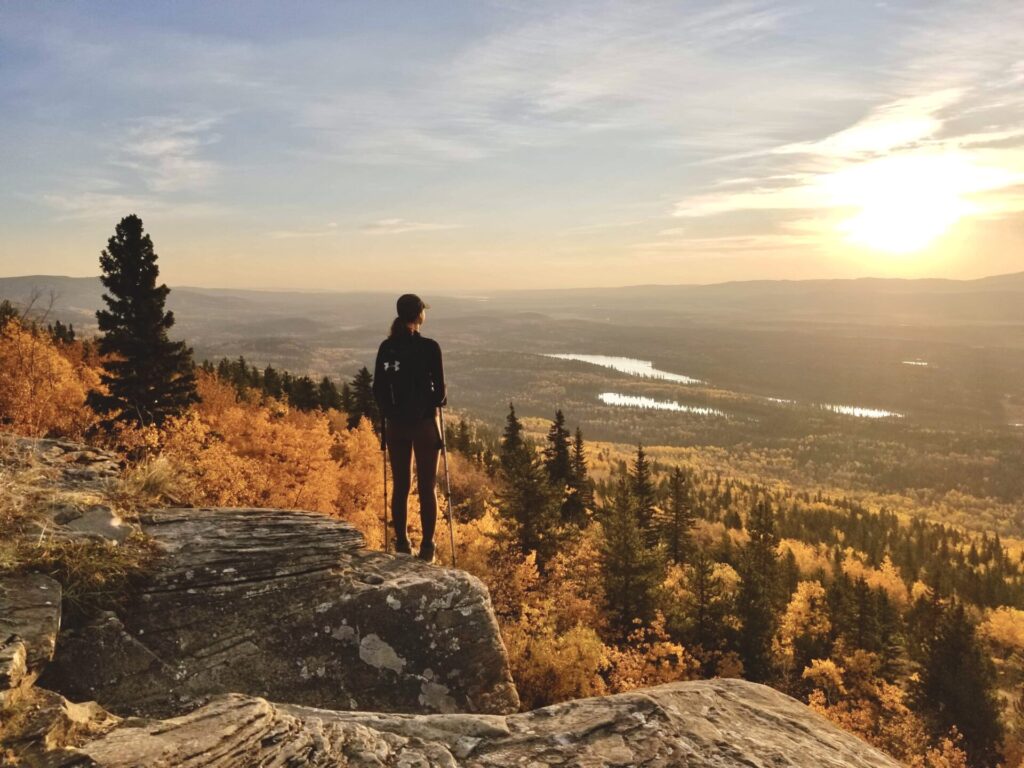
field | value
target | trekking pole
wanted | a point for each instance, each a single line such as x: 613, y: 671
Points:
x: 447, y: 485
x: 384, y: 456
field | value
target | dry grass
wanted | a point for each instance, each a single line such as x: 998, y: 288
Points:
x: 93, y: 572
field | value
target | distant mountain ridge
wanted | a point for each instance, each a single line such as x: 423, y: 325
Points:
x: 231, y: 321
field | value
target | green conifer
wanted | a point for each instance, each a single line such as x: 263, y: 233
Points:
x: 147, y: 377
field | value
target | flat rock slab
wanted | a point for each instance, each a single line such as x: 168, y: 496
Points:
x: 289, y: 606
x: 29, y: 623
x: 712, y: 724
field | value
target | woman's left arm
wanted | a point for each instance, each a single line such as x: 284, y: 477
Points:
x: 440, y: 390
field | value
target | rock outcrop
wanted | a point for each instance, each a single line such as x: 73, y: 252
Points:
x: 290, y: 606
x: 382, y: 660
x: 277, y: 603
x: 29, y: 622
x: 714, y: 723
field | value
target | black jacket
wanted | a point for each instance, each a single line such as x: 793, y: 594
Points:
x: 408, y: 378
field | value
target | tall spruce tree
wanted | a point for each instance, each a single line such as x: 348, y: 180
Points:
x: 147, y: 377
x: 528, y: 505
x: 580, y: 500
x: 362, y: 401
x: 556, y: 452
x: 329, y: 395
x: 758, y: 592
x: 645, y: 496
x: 679, y: 519
x: 706, y: 610
x: 957, y: 686
x: 513, y: 447
x: 632, y: 571
x: 7, y: 313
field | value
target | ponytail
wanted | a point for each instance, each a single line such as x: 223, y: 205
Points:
x: 399, y: 328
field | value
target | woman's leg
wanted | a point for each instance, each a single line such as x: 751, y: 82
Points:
x: 427, y: 447
x: 400, y: 456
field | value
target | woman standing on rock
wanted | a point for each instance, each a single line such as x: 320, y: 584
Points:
x: 408, y: 384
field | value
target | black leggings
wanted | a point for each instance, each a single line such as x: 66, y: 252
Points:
x: 403, y: 440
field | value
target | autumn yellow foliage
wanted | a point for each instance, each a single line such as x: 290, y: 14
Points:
x: 42, y: 389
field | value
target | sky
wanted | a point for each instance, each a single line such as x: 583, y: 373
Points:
x: 474, y: 146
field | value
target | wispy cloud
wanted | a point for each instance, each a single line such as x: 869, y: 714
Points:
x: 167, y: 153
x: 303, y: 234
x: 401, y: 226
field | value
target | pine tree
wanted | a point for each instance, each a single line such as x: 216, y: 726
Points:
x: 580, y: 499
x: 463, y: 441
x: 329, y: 396
x: 527, y: 504
x: 513, y: 446
x: 631, y: 571
x: 303, y: 394
x: 957, y: 686
x: 556, y: 453
x: 7, y: 313
x: 147, y: 377
x: 677, y: 529
x: 644, y: 495
x: 362, y: 400
x: 272, y: 383
x: 706, y: 611
x: 758, y: 593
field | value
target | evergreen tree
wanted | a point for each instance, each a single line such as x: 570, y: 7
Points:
x: 329, y: 396
x: 62, y: 334
x: 579, y: 501
x: 347, y: 404
x: 304, y: 394
x: 272, y: 383
x: 362, y: 400
x: 147, y: 377
x: 513, y: 447
x: 556, y: 453
x: 789, y: 575
x: 758, y: 593
x: 706, y: 612
x: 677, y: 529
x: 7, y: 313
x: 644, y: 495
x: 463, y: 441
x: 631, y: 571
x: 957, y: 686
x: 528, y: 506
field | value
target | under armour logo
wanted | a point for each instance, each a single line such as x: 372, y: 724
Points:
x: 391, y: 365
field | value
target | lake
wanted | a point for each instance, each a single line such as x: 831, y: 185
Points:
x: 632, y: 366
x: 639, y: 401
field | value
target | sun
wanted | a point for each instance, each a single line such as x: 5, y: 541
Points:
x: 902, y: 204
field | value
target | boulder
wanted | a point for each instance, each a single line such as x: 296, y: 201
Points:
x: 713, y: 724
x: 29, y: 622
x: 290, y: 606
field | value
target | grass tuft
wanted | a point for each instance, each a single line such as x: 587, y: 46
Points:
x: 93, y: 572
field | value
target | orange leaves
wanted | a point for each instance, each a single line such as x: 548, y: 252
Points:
x: 42, y: 390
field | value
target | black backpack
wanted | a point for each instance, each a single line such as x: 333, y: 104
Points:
x: 407, y: 387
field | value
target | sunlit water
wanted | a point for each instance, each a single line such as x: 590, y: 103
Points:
x: 639, y: 401
x: 921, y: 363
x: 630, y: 365
x: 861, y: 412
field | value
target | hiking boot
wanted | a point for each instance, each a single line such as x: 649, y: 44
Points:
x: 403, y: 547
x: 427, y: 551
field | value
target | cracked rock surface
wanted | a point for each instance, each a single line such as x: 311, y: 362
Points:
x: 712, y: 724
x: 29, y: 622
x: 290, y: 606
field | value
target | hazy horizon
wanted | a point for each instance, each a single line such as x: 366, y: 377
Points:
x: 475, y: 147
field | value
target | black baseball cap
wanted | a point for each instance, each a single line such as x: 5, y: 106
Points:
x: 409, y: 306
